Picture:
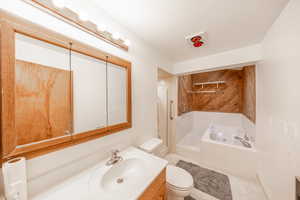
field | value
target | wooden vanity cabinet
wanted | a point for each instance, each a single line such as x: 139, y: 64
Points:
x: 157, y: 190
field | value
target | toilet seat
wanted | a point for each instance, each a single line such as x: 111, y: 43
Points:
x: 172, y: 187
x: 178, y: 178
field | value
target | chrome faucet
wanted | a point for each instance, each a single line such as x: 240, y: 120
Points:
x: 114, y: 157
x: 246, y: 137
x: 244, y: 142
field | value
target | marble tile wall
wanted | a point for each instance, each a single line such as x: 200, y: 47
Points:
x: 249, y: 93
x: 228, y: 96
x: 184, y: 95
x: 237, y: 95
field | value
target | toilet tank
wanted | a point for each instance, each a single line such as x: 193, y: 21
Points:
x: 151, y: 146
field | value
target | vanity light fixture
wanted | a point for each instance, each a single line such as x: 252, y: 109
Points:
x: 101, y: 27
x: 59, y: 3
x: 127, y: 42
x: 83, y: 16
x: 116, y: 35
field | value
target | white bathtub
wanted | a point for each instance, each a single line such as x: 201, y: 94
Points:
x: 225, y: 135
x: 224, y: 153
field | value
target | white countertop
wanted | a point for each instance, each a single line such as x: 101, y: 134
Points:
x: 78, y: 186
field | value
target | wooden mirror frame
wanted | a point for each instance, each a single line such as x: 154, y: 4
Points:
x: 9, y: 26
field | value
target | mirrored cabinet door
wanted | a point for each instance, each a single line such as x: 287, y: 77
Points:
x: 56, y: 91
x: 117, y: 94
x: 42, y: 93
x: 89, y: 93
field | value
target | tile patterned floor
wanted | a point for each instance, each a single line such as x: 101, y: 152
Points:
x: 242, y: 189
x: 208, y: 181
x: 189, y: 198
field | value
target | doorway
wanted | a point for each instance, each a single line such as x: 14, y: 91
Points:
x: 165, y: 109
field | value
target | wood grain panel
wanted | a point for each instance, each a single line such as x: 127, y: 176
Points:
x: 162, y: 193
x: 157, y: 188
x: 184, y: 97
x: 249, y: 93
x: 237, y: 95
x: 7, y: 64
x: 43, y: 102
x: 228, y: 97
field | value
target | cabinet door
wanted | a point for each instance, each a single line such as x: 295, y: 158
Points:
x: 117, y: 94
x: 162, y: 194
x: 57, y: 92
x: 42, y: 94
x: 157, y: 189
x: 89, y: 93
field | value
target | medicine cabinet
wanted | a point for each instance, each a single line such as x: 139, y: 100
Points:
x: 56, y: 91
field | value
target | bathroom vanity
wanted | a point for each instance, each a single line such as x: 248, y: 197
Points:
x: 157, y: 189
x: 139, y: 176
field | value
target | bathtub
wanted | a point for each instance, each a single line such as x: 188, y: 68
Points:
x: 226, y: 135
x: 211, y: 142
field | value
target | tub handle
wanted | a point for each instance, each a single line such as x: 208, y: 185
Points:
x: 171, y: 110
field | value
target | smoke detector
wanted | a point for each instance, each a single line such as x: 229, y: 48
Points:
x: 197, y: 40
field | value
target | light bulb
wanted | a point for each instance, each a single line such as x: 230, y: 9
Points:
x: 116, y: 36
x: 59, y: 3
x: 101, y: 27
x: 127, y: 42
x: 83, y: 16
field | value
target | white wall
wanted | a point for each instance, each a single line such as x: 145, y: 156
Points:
x: 184, y: 125
x: 236, y: 57
x: 47, y: 170
x: 278, y: 121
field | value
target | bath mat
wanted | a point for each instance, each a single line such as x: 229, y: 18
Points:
x: 208, y: 181
x: 189, y: 198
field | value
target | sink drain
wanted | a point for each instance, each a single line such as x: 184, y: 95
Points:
x: 120, y: 180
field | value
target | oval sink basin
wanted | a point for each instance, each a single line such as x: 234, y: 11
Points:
x: 117, y: 181
x: 124, y: 174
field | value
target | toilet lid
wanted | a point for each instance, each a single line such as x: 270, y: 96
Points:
x: 179, y: 177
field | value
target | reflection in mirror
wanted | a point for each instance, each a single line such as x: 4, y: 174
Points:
x: 42, y: 91
x: 89, y: 93
x: 117, y: 94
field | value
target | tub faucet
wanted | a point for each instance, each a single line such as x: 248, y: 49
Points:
x: 246, y: 137
x: 243, y: 141
x: 114, y: 157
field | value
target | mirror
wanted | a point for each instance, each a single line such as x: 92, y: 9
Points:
x: 117, y: 94
x: 61, y: 92
x: 42, y: 91
x: 57, y: 92
x: 89, y: 93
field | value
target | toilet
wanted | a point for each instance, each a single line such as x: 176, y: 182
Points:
x: 179, y: 181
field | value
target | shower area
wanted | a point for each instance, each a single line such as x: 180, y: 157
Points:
x: 216, y: 119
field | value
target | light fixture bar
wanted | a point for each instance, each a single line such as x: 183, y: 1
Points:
x: 59, y: 8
